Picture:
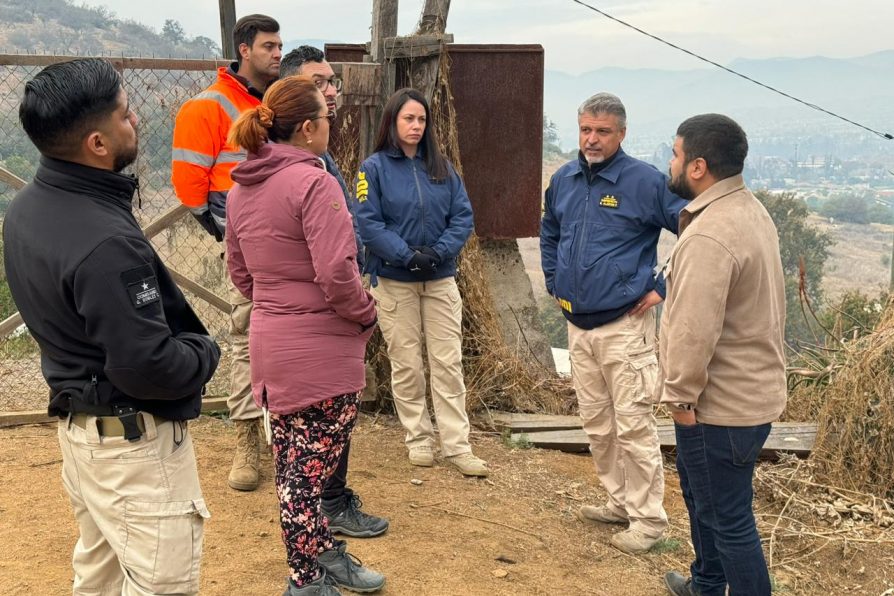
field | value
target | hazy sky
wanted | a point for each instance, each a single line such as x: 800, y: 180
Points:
x: 575, y: 38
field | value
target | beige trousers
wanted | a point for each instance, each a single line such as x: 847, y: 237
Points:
x: 139, y: 509
x: 614, y: 369
x: 431, y: 311
x: 240, y: 402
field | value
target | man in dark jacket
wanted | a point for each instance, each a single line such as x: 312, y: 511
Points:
x: 124, y: 355
x: 602, y: 215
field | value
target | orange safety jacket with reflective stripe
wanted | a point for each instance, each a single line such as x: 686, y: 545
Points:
x: 201, y: 159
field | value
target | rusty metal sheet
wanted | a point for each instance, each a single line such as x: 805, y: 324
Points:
x: 498, y: 96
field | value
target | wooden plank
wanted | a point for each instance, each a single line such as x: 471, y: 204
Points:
x: 534, y: 422
x: 119, y: 63
x: 796, y: 438
x: 361, y: 83
x: 200, y: 291
x: 165, y: 220
x: 10, y: 324
x: 543, y: 422
x: 11, y: 179
x: 7, y: 419
x: 416, y: 46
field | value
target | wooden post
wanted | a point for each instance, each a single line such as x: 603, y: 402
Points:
x: 384, y: 26
x: 227, y: 24
x: 434, y: 17
x: 423, y: 73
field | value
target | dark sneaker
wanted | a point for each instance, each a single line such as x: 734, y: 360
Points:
x: 348, y: 572
x: 347, y: 518
x: 322, y: 586
x: 679, y: 585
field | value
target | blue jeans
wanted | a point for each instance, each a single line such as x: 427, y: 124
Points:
x: 716, y: 465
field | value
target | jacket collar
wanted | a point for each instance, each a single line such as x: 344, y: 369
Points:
x: 397, y: 152
x: 229, y: 75
x: 77, y: 178
x: 717, y: 191
x: 611, y: 172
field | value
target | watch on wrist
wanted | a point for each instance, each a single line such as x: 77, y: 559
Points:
x: 687, y: 407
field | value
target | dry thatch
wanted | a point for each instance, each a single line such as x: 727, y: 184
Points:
x: 496, y: 376
x: 855, y: 439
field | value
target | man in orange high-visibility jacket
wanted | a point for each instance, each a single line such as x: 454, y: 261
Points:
x: 201, y: 165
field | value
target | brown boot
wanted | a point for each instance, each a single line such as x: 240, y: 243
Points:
x: 246, y: 464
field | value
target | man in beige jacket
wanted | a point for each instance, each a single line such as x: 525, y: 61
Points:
x: 722, y: 361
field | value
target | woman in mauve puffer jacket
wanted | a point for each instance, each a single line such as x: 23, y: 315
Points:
x: 291, y: 250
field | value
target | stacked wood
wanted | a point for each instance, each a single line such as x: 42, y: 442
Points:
x: 564, y: 433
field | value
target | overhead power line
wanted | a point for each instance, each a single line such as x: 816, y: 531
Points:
x: 883, y: 135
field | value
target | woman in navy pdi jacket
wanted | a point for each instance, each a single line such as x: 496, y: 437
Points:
x: 414, y: 216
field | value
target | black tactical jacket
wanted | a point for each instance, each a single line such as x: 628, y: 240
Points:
x: 112, y: 326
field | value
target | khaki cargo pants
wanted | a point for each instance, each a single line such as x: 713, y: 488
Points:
x: 139, y: 509
x: 240, y: 402
x: 410, y: 313
x: 614, y: 369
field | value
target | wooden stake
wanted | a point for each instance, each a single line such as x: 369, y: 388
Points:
x: 227, y: 24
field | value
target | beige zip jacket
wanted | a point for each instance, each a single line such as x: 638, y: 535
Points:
x: 722, y: 328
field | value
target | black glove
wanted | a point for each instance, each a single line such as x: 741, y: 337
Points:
x: 422, y: 265
x: 427, y: 250
x: 206, y: 220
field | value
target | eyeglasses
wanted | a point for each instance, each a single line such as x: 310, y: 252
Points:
x: 323, y: 84
x: 330, y: 116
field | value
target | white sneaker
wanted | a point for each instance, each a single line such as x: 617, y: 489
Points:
x: 469, y: 465
x: 422, y: 455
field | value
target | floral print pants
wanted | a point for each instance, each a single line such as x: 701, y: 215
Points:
x: 306, y: 448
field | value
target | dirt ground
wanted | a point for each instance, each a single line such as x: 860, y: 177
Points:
x: 446, y: 535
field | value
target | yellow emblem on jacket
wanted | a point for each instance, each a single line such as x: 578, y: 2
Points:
x: 565, y: 304
x: 610, y: 201
x: 362, y: 187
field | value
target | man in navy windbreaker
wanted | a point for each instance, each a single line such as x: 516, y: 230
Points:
x: 602, y: 215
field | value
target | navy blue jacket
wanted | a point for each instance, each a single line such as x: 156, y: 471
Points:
x: 332, y: 168
x: 399, y: 206
x: 599, y: 233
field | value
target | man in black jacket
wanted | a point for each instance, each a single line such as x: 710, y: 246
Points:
x: 124, y: 355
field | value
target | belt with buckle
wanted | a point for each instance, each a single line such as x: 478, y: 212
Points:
x: 112, y: 426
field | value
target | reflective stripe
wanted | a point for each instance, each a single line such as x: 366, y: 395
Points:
x: 224, y: 102
x: 193, y: 157
x: 231, y: 157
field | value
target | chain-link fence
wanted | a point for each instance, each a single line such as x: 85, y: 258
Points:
x: 156, y: 89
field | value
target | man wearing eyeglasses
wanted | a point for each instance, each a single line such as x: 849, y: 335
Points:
x: 340, y: 505
x: 202, y: 161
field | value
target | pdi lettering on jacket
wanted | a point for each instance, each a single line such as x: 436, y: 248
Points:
x: 362, y: 187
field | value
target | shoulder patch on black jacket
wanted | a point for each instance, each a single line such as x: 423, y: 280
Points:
x: 141, y: 285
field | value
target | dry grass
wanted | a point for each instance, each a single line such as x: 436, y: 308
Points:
x: 855, y: 439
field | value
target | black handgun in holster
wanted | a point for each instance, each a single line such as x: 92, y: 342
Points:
x: 128, y: 416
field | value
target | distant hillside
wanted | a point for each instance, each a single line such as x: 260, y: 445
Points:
x: 657, y: 101
x: 59, y: 26
x: 62, y: 27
